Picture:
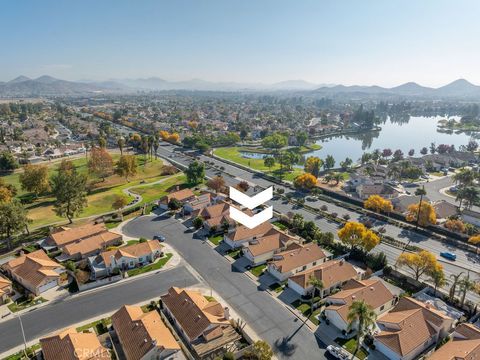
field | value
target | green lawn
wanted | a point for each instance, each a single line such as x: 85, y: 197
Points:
x: 24, y: 303
x: 21, y: 354
x: 216, y: 239
x: 280, y: 225
x: 233, y: 154
x: 153, y: 192
x: 102, y: 193
x: 100, y: 326
x: 349, y: 345
x: 132, y: 242
x: 210, y: 298
x: 278, y: 288
x: 152, y: 267
x: 258, y: 270
x: 235, y: 254
x: 313, y: 317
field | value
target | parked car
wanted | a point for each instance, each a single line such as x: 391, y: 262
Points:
x: 338, y: 352
x: 159, y: 237
x: 448, y: 255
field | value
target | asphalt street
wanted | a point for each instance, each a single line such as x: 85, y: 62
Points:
x: 271, y: 320
x: 81, y: 307
x: 232, y: 174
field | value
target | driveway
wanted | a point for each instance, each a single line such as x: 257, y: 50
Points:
x: 270, y: 319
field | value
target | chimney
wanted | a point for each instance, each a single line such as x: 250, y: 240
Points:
x: 226, y: 313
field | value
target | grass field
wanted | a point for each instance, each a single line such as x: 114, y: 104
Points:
x: 102, y: 193
x: 349, y: 345
x: 156, y: 191
x: 233, y: 154
x: 152, y: 267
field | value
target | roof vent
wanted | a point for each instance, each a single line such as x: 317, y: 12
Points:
x: 371, y: 288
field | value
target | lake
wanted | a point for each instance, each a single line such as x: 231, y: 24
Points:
x: 415, y: 133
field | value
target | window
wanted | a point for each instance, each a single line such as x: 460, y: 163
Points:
x: 314, y: 263
x: 382, y: 307
x: 304, y: 267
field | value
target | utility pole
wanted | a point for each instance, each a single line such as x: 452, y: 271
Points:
x: 23, y: 335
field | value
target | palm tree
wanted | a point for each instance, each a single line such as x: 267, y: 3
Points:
x: 361, y: 315
x: 121, y: 144
x: 472, y: 196
x: 317, y: 285
x: 466, y: 285
x: 420, y: 192
x: 453, y: 288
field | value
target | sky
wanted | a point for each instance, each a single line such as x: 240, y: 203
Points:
x: 382, y: 42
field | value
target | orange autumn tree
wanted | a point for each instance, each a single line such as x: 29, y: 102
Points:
x: 425, y: 217
x: 423, y: 262
x: 356, y: 235
x: 169, y: 137
x: 305, y: 181
x: 475, y: 240
x: 378, y: 204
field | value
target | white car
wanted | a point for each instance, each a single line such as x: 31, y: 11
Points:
x: 338, y: 352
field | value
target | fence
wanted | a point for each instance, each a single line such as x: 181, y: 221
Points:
x: 95, y: 284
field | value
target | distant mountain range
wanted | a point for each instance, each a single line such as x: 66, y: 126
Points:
x: 23, y: 86
x: 460, y: 88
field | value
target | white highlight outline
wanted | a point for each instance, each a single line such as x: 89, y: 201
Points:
x: 251, y: 221
x: 251, y: 202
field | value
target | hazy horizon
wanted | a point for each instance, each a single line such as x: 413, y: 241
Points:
x: 346, y: 42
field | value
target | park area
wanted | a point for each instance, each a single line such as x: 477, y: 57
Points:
x: 148, y: 182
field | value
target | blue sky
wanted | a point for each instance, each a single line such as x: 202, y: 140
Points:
x: 385, y: 42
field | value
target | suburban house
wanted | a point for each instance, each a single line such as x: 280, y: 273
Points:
x: 80, y: 242
x: 124, y: 258
x: 444, y: 209
x: 36, y: 272
x: 333, y: 274
x: 144, y: 336
x: 410, y: 328
x: 364, y: 191
x: 372, y: 291
x: 182, y: 196
x: 197, y: 203
x: 81, y: 249
x: 62, y: 236
x: 465, y: 345
x: 204, y: 324
x: 293, y: 261
x: 261, y: 250
x: 241, y: 234
x: 401, y: 203
x: 5, y: 289
x: 215, y: 215
x: 72, y: 345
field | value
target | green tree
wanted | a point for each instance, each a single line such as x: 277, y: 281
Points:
x: 362, y: 317
x: 69, y: 189
x: 197, y: 222
x: 466, y: 285
x: 7, y: 162
x: 13, y: 218
x: 269, y: 162
x: 345, y: 164
x: 302, y: 138
x: 316, y: 284
x: 275, y: 141
x: 329, y: 162
x: 195, y: 172
x: 34, y: 179
x: 438, y: 279
x: 126, y: 166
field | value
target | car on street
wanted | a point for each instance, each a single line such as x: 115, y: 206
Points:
x: 448, y: 255
x: 159, y: 237
x: 338, y: 352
